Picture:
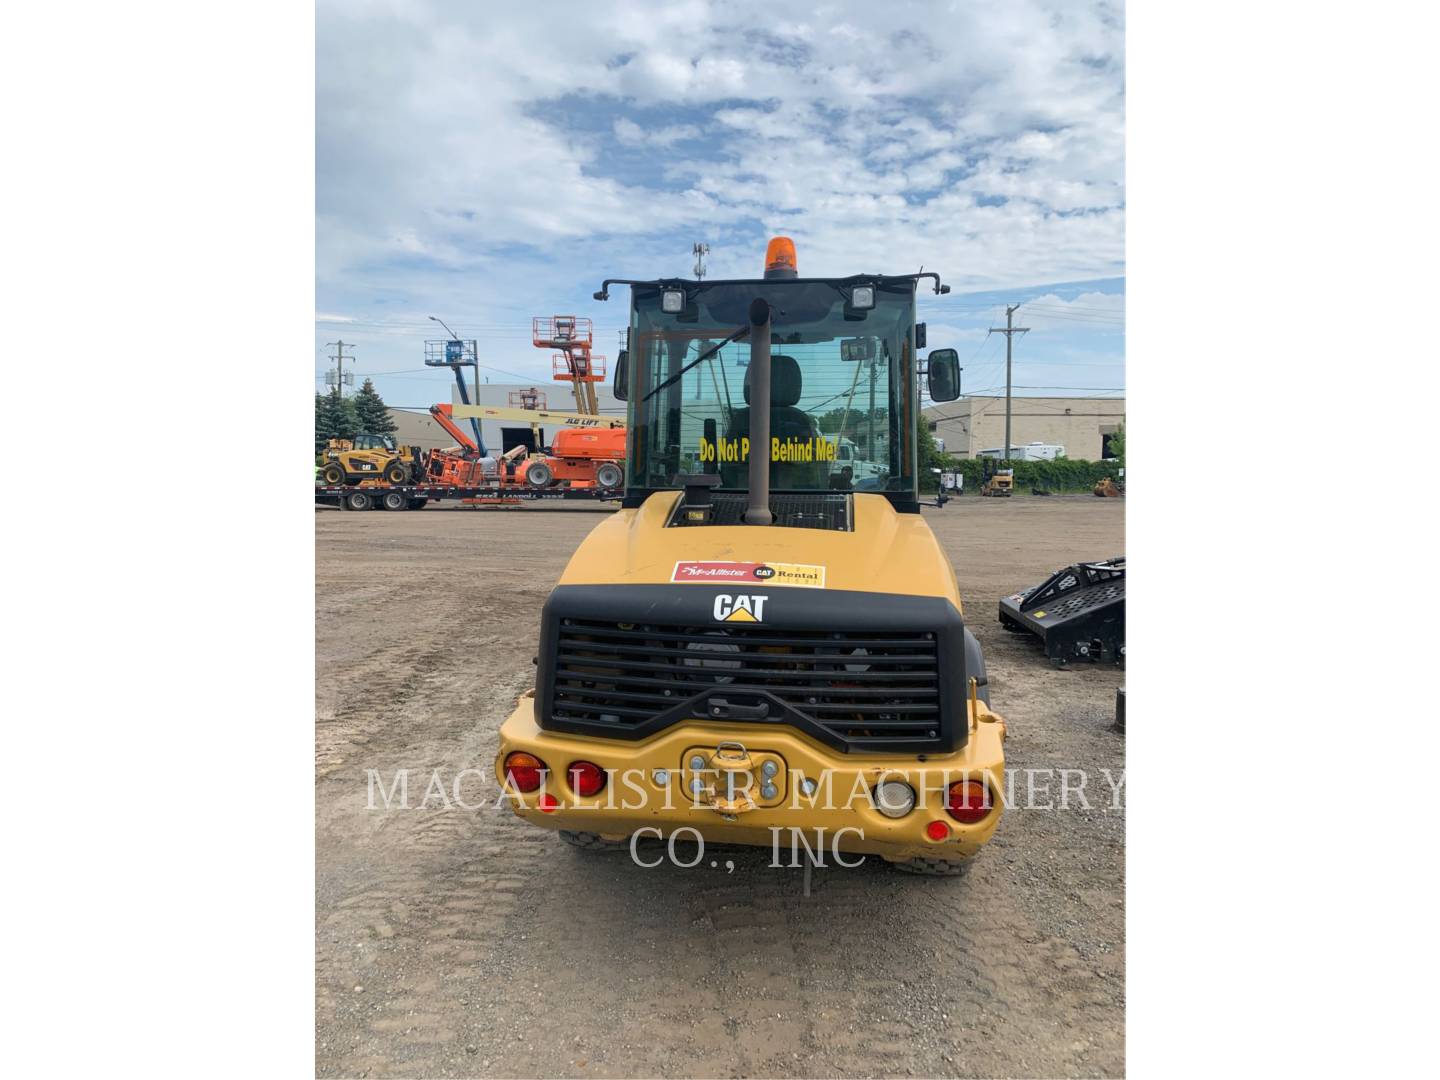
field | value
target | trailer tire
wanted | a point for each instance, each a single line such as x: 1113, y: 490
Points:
x: 589, y: 841
x: 396, y: 473
x: 539, y: 475
x: 395, y: 500
x: 418, y: 504
x: 358, y: 500
x: 928, y: 867
x: 333, y: 473
x: 609, y: 475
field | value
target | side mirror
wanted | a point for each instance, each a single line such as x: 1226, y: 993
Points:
x: 621, y: 384
x: 942, y: 374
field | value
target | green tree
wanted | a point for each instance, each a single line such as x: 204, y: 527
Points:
x: 334, y: 419
x: 370, y: 411
x: 930, y: 456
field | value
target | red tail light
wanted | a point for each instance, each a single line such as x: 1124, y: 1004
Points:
x: 525, y: 772
x: 966, y: 803
x: 586, y: 778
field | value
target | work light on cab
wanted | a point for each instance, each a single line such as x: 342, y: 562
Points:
x: 966, y: 802
x: 586, y: 778
x: 524, y: 772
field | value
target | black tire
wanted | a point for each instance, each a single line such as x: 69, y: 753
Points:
x: 538, y: 474
x: 609, y: 475
x: 928, y: 867
x: 395, y: 500
x: 975, y: 666
x: 333, y: 473
x: 358, y: 500
x: 589, y: 841
x: 418, y: 504
x: 396, y: 473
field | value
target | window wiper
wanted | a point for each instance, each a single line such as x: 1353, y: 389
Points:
x: 706, y: 355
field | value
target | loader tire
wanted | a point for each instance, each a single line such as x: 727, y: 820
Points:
x: 589, y: 841
x: 395, y: 500
x: 358, y: 500
x: 333, y: 473
x: 928, y: 867
x: 396, y: 473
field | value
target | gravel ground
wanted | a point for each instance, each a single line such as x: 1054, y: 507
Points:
x: 455, y: 942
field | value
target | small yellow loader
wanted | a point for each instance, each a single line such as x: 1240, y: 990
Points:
x: 760, y: 647
x: 370, y: 457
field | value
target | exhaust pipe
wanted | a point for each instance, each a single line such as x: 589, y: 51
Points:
x: 757, y: 509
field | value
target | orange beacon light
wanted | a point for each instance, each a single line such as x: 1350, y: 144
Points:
x: 780, y: 258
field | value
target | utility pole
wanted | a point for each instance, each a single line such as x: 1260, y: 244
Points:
x: 339, y: 357
x: 1009, y: 331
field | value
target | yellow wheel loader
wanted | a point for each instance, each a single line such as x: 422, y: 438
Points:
x: 370, y: 457
x: 760, y: 648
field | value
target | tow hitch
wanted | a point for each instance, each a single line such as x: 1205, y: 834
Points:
x: 732, y: 780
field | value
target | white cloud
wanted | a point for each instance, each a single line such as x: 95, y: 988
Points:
x: 873, y: 141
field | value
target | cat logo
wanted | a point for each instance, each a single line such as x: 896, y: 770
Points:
x: 740, y: 608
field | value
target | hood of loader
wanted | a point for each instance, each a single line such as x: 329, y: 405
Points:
x: 885, y: 552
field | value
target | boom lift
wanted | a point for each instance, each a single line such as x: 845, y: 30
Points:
x: 573, y: 363
x: 755, y: 647
x: 588, y: 450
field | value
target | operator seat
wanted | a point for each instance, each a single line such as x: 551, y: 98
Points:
x: 786, y: 422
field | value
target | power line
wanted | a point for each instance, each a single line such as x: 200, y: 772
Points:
x: 339, y: 357
x: 1009, y: 331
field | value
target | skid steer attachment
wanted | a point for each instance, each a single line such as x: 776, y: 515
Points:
x: 1078, y: 612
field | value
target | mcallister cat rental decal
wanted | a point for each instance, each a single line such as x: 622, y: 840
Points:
x: 802, y: 575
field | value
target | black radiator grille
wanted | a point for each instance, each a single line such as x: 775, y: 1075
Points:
x: 820, y: 510
x: 866, y: 689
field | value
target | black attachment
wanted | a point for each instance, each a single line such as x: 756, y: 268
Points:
x: 1078, y: 612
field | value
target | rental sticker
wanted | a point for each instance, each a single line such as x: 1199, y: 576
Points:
x: 802, y: 575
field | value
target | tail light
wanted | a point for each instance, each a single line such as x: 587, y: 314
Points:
x: 586, y: 778
x: 966, y: 801
x: 524, y: 772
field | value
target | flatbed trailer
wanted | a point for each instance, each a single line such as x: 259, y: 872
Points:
x: 372, y: 496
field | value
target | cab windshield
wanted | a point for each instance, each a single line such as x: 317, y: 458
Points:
x: 841, y: 414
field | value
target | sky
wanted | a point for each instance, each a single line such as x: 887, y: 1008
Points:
x: 486, y: 163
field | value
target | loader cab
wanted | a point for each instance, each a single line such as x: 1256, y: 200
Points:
x: 844, y: 374
x: 374, y: 442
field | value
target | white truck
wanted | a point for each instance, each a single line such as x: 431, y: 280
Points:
x: 1035, y: 451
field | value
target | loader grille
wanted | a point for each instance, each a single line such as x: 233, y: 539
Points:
x: 793, y: 511
x: 862, y: 689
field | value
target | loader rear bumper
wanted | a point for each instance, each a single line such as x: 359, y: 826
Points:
x: 757, y: 787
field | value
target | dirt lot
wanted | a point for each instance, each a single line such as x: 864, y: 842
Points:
x: 463, y: 943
